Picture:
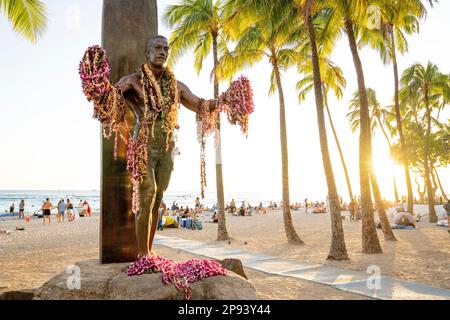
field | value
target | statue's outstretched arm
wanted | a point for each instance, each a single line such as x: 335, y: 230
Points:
x: 190, y: 100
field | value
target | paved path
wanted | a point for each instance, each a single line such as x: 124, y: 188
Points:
x: 384, y: 288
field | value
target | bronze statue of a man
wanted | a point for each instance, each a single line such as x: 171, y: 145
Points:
x: 140, y: 90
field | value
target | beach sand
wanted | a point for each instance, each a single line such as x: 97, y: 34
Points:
x: 29, y: 258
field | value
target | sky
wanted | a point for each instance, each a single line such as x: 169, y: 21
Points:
x: 48, y: 139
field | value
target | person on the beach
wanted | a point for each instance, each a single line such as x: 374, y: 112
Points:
x: 69, y: 208
x: 46, y: 210
x: 21, y: 209
x: 61, y: 210
x: 85, y: 208
x: 232, y: 206
x: 306, y: 205
x: 12, y: 207
x: 243, y: 209
x: 405, y: 219
x: 352, y: 210
x: 399, y: 207
x: 447, y: 210
x: 140, y: 88
x: 89, y: 210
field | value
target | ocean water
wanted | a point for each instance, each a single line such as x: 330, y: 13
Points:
x: 34, y: 198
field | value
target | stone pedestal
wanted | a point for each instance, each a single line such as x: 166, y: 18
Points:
x: 110, y: 282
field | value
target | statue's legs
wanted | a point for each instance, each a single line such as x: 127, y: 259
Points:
x: 142, y: 218
x: 163, y: 172
x: 156, y: 181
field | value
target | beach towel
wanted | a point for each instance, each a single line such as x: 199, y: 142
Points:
x: 442, y: 223
x: 400, y: 227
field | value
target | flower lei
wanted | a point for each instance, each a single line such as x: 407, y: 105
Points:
x: 237, y: 103
x: 180, y: 274
x: 109, y: 103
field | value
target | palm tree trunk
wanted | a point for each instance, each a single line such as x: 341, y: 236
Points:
x: 431, y: 209
x: 338, y: 251
x: 370, y: 241
x: 385, y: 225
x: 421, y: 193
x: 444, y: 195
x: 341, y: 155
x: 400, y: 129
x: 291, y: 234
x: 397, y: 199
x: 222, y: 232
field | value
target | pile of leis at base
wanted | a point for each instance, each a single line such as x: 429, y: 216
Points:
x: 237, y: 102
x: 109, y: 104
x: 180, y: 274
x: 207, y: 121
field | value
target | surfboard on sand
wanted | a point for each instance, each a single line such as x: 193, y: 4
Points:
x: 126, y: 27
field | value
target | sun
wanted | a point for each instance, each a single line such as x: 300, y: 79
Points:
x: 388, y: 172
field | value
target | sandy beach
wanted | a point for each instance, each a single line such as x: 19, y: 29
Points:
x: 30, y: 257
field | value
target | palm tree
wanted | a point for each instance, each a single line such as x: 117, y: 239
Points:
x: 266, y: 37
x: 333, y: 79
x: 378, y: 115
x: 199, y: 25
x: 428, y: 84
x: 308, y: 8
x: 396, y: 20
x: 27, y: 16
x: 348, y: 14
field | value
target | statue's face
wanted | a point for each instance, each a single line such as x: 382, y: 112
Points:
x: 158, y: 52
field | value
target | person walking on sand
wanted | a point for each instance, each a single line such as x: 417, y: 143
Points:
x: 306, y: 205
x: 21, y: 209
x: 61, y: 210
x: 352, y: 210
x: 46, y: 210
x: 69, y: 208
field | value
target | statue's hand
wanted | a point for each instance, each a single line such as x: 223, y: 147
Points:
x: 213, y: 105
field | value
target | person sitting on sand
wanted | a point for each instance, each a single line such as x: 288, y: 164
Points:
x: 242, y: 209
x: 232, y: 206
x: 46, y: 210
x: 405, y: 219
x: 215, y: 217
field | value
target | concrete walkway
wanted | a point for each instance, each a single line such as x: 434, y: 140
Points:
x: 383, y: 288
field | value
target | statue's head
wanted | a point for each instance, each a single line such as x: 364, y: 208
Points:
x: 157, y: 51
